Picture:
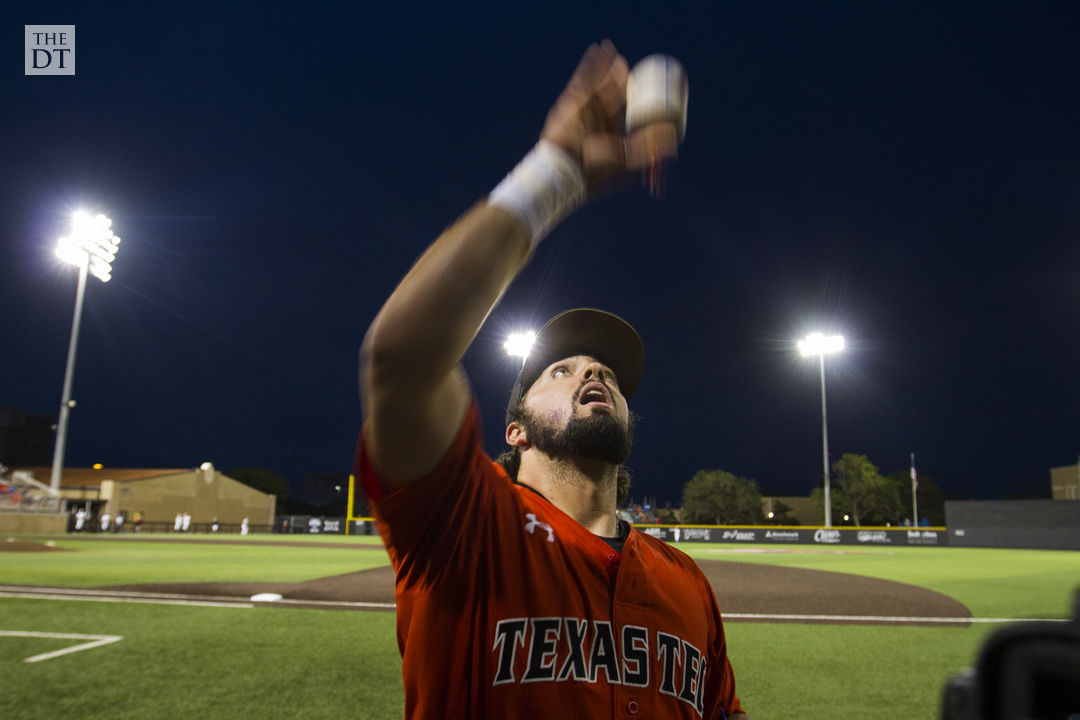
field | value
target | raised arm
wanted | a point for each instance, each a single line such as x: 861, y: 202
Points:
x: 414, y: 389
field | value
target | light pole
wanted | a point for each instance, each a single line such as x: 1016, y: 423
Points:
x: 92, y: 248
x: 819, y: 345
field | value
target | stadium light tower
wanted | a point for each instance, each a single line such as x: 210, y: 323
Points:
x: 92, y: 248
x: 820, y: 345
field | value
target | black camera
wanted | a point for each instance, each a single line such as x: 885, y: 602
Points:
x: 1027, y: 671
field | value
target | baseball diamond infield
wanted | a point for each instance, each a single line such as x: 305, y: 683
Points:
x: 765, y: 592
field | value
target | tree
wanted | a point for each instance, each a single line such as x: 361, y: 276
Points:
x: 869, y: 497
x: 262, y: 480
x: 716, y: 497
x: 781, y: 514
x: 837, y: 498
x: 931, y: 501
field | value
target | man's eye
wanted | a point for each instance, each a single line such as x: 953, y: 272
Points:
x: 559, y: 371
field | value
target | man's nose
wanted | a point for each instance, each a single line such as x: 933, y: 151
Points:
x: 595, y: 371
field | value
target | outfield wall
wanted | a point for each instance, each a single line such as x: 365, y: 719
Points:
x: 797, y: 535
x: 1036, y: 524
x: 1043, y: 524
x: 765, y: 534
x: 32, y: 523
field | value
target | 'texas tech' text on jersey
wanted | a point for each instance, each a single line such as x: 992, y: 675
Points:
x: 577, y: 650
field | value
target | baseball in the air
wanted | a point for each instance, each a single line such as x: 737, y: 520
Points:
x: 657, y: 90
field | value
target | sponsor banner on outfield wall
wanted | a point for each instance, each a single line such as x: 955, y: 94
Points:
x: 804, y: 536
x: 326, y: 526
x: 927, y: 537
x: 310, y: 525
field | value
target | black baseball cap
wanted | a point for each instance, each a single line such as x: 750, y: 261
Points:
x: 584, y: 331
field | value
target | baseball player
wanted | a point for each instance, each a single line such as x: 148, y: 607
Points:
x: 519, y: 592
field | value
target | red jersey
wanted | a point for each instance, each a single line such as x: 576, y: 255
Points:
x: 508, y: 608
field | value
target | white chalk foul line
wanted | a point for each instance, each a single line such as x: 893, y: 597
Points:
x: 120, y: 596
x: 95, y: 641
x: 880, y: 618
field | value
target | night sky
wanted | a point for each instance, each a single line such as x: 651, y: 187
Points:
x: 907, y: 174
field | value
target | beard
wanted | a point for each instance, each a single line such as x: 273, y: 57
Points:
x: 598, y: 436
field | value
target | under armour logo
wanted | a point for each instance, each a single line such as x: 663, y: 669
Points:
x: 534, y: 523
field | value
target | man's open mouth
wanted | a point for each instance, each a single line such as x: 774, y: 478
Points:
x: 594, y: 392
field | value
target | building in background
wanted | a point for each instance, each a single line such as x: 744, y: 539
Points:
x: 159, y: 494
x: 1065, y: 482
x: 790, y: 510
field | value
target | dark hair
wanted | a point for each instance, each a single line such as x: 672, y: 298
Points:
x: 511, y: 463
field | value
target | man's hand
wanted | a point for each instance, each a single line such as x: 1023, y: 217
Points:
x: 588, y: 121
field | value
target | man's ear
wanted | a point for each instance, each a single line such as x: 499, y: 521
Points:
x: 515, y: 435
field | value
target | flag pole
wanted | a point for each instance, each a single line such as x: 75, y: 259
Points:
x: 914, y: 487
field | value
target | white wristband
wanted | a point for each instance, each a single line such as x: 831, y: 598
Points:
x: 546, y: 186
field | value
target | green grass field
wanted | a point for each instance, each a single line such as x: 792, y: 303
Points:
x: 209, y: 662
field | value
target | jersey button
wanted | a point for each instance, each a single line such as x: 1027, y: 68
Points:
x: 613, y: 558
x: 631, y: 707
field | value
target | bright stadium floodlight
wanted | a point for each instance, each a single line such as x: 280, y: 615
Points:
x: 91, y: 247
x: 92, y: 243
x: 519, y: 344
x: 816, y: 344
